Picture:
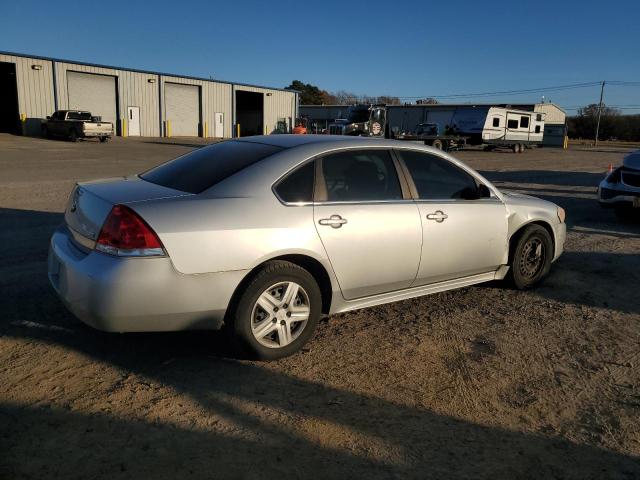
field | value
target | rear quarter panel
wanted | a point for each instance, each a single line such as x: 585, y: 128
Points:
x: 203, y: 235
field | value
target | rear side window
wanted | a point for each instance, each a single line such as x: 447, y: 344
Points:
x: 512, y: 124
x: 201, y: 169
x: 524, y: 122
x: 84, y: 116
x: 297, y: 186
x: 436, y: 178
x: 361, y: 175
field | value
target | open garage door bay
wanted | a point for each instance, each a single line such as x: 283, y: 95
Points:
x: 183, y: 109
x: 94, y: 93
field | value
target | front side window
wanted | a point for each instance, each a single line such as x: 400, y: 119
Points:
x: 496, y: 121
x: 512, y: 123
x: 524, y: 122
x: 436, y: 178
x: 297, y: 186
x: 361, y: 175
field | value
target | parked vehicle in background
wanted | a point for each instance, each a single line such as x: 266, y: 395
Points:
x: 429, y: 133
x: 265, y: 234
x: 514, y: 129
x: 447, y: 129
x: 621, y: 187
x: 76, y: 124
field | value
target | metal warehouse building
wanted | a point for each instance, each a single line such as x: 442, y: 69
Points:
x: 139, y: 103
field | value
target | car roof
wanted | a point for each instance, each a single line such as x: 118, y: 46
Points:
x: 322, y: 141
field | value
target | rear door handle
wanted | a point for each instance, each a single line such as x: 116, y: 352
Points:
x: 439, y: 216
x: 334, y: 221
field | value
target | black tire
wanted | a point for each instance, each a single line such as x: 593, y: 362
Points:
x: 521, y: 148
x: 73, y: 135
x: 528, y: 264
x: 103, y: 139
x: 437, y: 144
x: 241, y: 316
x: 515, y: 148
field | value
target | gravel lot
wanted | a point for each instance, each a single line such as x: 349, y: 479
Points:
x: 482, y: 382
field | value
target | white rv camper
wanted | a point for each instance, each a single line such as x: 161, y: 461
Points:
x: 512, y: 128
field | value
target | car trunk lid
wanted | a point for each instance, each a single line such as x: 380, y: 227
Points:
x: 90, y: 202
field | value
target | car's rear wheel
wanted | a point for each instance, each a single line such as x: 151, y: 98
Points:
x: 532, y: 257
x: 277, y: 312
x: 103, y: 139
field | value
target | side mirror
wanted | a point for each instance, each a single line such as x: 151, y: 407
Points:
x: 483, y: 191
x: 48, y: 117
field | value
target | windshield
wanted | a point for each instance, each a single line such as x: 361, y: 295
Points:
x: 202, y: 168
x: 85, y: 116
x: 358, y: 115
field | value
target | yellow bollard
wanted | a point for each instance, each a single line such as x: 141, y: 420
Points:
x: 23, y: 122
x: 168, y: 128
x: 238, y: 130
x: 124, y: 128
x: 206, y: 130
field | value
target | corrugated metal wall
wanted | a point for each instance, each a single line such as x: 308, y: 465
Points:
x: 140, y: 89
x: 278, y: 105
x: 215, y: 97
x: 134, y: 90
x: 35, y: 90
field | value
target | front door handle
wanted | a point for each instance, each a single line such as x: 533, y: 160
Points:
x: 439, y: 216
x: 335, y: 221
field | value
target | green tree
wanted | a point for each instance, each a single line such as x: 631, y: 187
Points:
x: 309, y: 94
x: 583, y: 125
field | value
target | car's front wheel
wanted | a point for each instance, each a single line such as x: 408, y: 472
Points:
x: 277, y: 312
x: 532, y: 257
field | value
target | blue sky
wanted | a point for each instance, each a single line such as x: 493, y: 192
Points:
x: 367, y: 47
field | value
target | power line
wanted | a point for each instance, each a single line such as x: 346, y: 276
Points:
x: 527, y: 90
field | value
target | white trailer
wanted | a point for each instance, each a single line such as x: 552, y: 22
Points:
x: 480, y: 124
x: 512, y: 128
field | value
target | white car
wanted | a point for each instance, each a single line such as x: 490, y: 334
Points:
x: 621, y: 188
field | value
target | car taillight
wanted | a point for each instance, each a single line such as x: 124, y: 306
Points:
x: 125, y: 234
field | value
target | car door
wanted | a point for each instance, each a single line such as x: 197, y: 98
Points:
x: 54, y: 124
x: 462, y: 234
x: 367, y: 222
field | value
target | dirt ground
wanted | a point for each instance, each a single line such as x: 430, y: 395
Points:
x: 482, y: 382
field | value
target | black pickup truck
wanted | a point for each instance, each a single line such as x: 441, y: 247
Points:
x: 75, y: 124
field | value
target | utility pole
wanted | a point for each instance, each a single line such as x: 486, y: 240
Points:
x: 599, y: 112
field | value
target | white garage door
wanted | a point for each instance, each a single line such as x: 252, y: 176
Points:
x: 183, y: 109
x: 95, y: 93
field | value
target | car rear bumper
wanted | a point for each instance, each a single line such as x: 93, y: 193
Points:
x: 136, y: 294
x: 618, y: 195
x: 91, y: 133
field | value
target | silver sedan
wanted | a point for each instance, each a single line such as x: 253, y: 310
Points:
x: 263, y: 235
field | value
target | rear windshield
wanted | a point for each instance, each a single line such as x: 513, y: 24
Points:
x: 86, y: 116
x: 201, y: 169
